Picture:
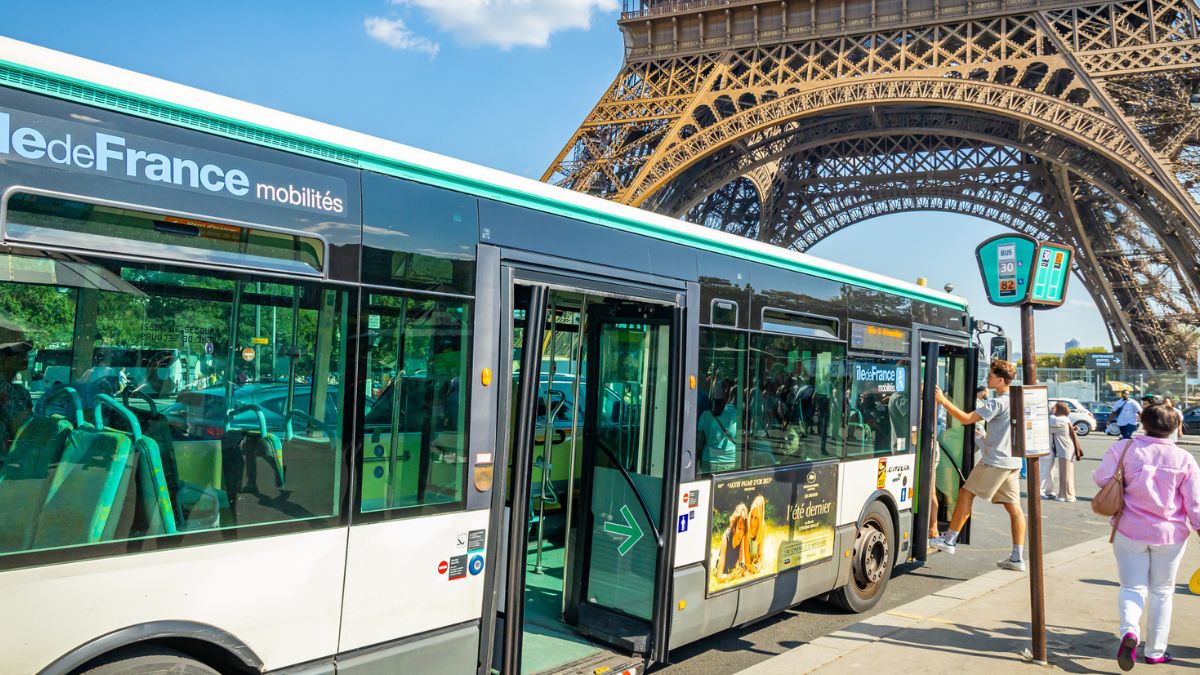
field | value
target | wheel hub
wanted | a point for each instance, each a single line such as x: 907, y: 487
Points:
x: 871, y: 555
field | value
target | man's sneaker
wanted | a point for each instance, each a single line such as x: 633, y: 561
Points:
x: 1010, y: 564
x: 941, y: 544
x: 1047, y: 496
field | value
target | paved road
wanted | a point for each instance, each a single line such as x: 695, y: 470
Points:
x: 1063, y: 524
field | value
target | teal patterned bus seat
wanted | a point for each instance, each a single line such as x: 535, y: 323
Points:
x: 25, y: 478
x: 88, y: 490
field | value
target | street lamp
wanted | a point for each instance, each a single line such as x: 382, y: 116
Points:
x: 949, y: 287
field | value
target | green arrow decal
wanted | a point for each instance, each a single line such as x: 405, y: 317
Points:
x: 630, y: 530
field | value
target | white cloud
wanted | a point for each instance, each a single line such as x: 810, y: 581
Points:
x: 509, y: 23
x: 393, y: 33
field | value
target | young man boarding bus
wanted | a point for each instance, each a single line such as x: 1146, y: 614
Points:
x: 996, y: 477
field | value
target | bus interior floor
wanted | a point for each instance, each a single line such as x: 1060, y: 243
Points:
x: 549, y: 643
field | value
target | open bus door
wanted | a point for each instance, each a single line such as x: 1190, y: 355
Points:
x: 621, y: 577
x: 949, y: 364
x: 592, y: 462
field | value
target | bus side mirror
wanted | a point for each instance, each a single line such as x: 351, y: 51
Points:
x: 999, y: 348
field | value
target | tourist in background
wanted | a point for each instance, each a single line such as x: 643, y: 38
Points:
x: 1161, y: 509
x: 1127, y: 413
x: 1064, y: 452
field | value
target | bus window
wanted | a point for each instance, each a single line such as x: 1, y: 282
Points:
x: 418, y: 236
x: 721, y: 402
x: 878, y: 412
x: 417, y: 369
x: 798, y: 392
x: 139, y: 400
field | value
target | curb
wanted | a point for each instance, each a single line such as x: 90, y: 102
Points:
x: 829, y: 648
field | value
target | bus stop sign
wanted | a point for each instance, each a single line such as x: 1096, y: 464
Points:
x: 1048, y: 286
x: 1004, y: 264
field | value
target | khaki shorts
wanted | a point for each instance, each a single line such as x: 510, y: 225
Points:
x: 1000, y: 486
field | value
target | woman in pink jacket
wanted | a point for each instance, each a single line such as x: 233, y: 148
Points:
x: 1162, y: 508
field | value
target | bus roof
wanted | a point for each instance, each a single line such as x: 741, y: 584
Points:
x: 46, y: 71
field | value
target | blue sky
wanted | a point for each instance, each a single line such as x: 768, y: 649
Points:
x: 503, y: 83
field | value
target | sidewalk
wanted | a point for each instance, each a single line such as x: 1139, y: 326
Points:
x: 982, y: 625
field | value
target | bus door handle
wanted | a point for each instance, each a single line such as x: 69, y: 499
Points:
x: 658, y: 538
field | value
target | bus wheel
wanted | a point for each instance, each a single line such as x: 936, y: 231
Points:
x: 871, y: 565
x: 146, y: 661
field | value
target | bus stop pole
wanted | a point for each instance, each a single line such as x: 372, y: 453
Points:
x: 1033, y: 487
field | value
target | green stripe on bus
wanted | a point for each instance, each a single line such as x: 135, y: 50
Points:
x: 66, y: 87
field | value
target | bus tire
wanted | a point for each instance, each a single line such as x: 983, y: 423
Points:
x: 871, y: 565
x: 148, y: 660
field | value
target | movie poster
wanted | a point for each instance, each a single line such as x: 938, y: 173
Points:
x: 767, y: 521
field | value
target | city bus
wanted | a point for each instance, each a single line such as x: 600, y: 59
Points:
x: 436, y: 418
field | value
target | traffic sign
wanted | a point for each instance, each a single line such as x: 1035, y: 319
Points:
x: 1050, y: 274
x: 1004, y: 264
x: 1105, y: 361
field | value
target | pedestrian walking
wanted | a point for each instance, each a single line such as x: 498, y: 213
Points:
x: 1161, y: 508
x: 995, y: 477
x: 1126, y: 414
x: 1065, y: 450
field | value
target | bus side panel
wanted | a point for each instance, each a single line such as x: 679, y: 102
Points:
x: 691, y: 529
x: 794, y: 586
x: 696, y: 616
x: 453, y: 651
x: 285, y: 613
x: 411, y: 576
x: 858, y: 480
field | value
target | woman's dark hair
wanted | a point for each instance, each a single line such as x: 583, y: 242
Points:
x: 1061, y: 410
x: 1160, y: 421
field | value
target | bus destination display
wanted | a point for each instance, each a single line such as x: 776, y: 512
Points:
x: 869, y: 337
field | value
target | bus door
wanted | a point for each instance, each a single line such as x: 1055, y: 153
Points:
x: 590, y: 466
x: 946, y: 447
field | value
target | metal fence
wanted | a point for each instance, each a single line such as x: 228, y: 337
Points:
x: 1105, y: 385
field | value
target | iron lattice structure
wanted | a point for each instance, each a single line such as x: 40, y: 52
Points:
x: 788, y: 120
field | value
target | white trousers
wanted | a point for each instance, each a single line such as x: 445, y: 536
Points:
x: 1146, y: 570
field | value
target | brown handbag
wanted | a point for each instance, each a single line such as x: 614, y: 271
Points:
x: 1077, y: 449
x: 1110, y: 500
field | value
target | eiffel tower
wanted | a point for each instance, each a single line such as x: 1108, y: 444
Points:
x: 788, y: 120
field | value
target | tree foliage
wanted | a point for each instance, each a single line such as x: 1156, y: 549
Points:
x: 1049, y: 361
x: 1077, y: 358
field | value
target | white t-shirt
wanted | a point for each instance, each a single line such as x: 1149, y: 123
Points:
x: 996, y: 447
x: 1127, y: 412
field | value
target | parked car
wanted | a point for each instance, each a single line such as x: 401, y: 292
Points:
x: 1081, y: 418
x: 1191, y: 419
x: 1099, y: 410
x: 201, y: 414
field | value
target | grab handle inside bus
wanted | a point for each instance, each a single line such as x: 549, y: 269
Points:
x: 302, y: 416
x: 248, y: 407
x: 106, y: 401
x: 76, y: 403
x: 127, y: 392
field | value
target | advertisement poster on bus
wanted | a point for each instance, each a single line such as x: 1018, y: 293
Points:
x: 767, y: 521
